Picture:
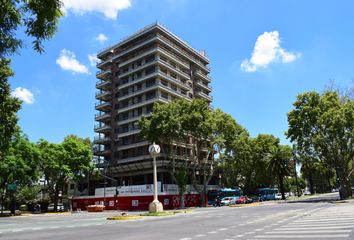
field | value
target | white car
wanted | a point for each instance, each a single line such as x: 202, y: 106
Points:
x: 278, y: 196
x: 228, y: 200
x: 60, y: 207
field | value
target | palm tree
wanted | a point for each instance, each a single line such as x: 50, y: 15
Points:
x: 278, y: 162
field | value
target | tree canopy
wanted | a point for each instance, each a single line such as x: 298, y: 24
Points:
x: 322, y: 127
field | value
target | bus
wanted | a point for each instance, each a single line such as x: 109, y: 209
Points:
x: 265, y: 194
x: 223, y: 192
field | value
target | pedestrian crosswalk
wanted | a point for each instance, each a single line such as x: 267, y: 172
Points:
x: 336, y: 222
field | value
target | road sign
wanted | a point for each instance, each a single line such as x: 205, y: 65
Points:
x: 11, y: 187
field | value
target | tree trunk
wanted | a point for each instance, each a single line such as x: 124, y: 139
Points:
x: 281, y: 186
x: 311, y: 184
x: 345, y: 190
x: 181, y: 200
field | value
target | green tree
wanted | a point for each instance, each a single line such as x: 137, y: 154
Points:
x: 198, y: 130
x: 38, y: 19
x: 278, y: 162
x: 61, y: 162
x: 19, y: 164
x: 322, y: 126
x: 28, y: 194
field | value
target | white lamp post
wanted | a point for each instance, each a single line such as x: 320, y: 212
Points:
x: 155, y: 205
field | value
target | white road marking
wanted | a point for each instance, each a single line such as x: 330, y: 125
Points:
x: 185, y: 238
x: 212, y: 232
x: 200, y: 235
x: 319, y: 224
x: 247, y: 233
x: 314, y: 228
x: 309, y: 236
x: 259, y: 229
x: 222, y: 229
x: 309, y: 231
x: 315, y: 219
x: 237, y: 236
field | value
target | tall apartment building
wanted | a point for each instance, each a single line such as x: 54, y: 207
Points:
x: 153, y: 65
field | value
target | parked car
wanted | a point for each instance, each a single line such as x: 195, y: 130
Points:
x: 243, y: 200
x: 228, y: 200
x: 278, y: 196
x: 60, y: 207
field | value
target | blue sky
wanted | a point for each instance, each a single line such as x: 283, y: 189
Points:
x: 262, y: 54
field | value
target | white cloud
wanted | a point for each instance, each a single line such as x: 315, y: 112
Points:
x: 67, y: 61
x: 93, y: 59
x: 23, y: 94
x: 266, y: 50
x: 101, y: 38
x: 109, y: 8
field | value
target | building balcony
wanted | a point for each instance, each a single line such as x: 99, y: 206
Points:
x: 138, y: 80
x: 175, y: 81
x: 102, y: 116
x: 103, y: 106
x: 101, y: 140
x: 102, y: 152
x: 132, y: 145
x: 131, y: 119
x: 104, y: 74
x: 102, y: 128
x: 202, y: 85
x: 132, y: 94
x: 130, y: 49
x: 173, y: 56
x: 173, y: 69
x: 205, y: 77
x: 183, y: 53
x: 103, y: 64
x: 131, y: 71
x: 173, y: 92
x: 140, y: 56
x: 103, y: 95
x: 142, y: 103
x: 103, y: 84
x: 128, y: 133
x: 204, y: 95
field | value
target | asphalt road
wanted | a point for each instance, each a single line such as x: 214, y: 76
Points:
x: 319, y: 218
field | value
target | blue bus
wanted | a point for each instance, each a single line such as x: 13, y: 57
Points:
x: 265, y: 194
x: 223, y: 192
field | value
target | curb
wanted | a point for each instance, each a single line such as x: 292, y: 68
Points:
x: 246, y: 205
x: 124, y: 218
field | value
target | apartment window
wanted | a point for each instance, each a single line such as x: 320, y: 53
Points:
x: 163, y: 58
x: 149, y: 70
x: 150, y: 95
x: 138, y: 74
x: 149, y: 58
x: 164, y: 95
x: 163, y: 70
x: 164, y: 83
x: 183, y: 92
x: 149, y: 108
x: 150, y: 82
x: 173, y: 64
x: 125, y: 69
x: 138, y: 87
x: 190, y: 95
x: 138, y: 63
x: 174, y: 75
x: 173, y: 87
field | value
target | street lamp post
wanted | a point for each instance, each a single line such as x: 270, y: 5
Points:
x: 155, y: 205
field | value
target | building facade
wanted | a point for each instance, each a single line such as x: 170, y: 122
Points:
x: 153, y: 65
